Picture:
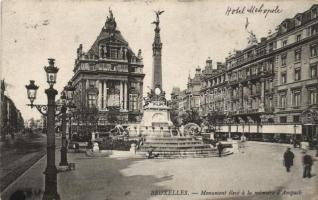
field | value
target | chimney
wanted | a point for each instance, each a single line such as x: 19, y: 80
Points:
x: 209, y: 63
x: 198, y: 70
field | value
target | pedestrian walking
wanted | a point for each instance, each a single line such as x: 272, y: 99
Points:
x: 294, y: 143
x: 242, y: 143
x: 220, y: 148
x: 150, y: 153
x: 288, y: 159
x: 243, y: 138
x: 307, y: 163
x: 76, y: 147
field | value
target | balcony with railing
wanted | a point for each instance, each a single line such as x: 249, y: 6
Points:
x: 251, y: 77
x: 269, y: 90
x: 232, y: 112
x: 248, y: 111
x: 269, y: 109
x: 234, y: 82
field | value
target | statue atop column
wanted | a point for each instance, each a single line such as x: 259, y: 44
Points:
x: 156, y: 88
x: 157, y: 22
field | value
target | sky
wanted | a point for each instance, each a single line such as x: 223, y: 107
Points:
x: 191, y: 31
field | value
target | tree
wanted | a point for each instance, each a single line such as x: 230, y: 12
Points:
x: 190, y: 116
x: 174, y: 116
x: 86, y: 117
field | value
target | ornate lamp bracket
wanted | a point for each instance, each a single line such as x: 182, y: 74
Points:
x: 41, y: 108
x: 44, y: 108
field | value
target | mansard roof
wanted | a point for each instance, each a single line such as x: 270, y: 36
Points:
x: 108, y: 37
x: 109, y: 34
x: 305, y: 18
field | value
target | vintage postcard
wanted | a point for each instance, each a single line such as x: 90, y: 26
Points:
x: 159, y: 100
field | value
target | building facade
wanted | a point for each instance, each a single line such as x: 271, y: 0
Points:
x: 269, y: 88
x: 214, y: 91
x: 190, y: 98
x: 11, y: 119
x: 109, y: 79
x: 296, y: 81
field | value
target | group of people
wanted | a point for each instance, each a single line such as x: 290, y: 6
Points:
x: 307, y: 162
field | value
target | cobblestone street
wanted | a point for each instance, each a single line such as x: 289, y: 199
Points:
x: 258, y: 171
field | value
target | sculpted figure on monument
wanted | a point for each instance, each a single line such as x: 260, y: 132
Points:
x: 158, y: 13
x: 252, y: 38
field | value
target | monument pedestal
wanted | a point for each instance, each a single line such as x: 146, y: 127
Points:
x: 163, y: 140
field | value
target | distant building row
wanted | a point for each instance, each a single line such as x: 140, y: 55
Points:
x: 11, y: 118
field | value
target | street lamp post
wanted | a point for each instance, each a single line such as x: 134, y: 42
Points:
x: 67, y: 95
x: 63, y: 127
x: 70, y: 125
x: 229, y: 123
x: 49, y: 111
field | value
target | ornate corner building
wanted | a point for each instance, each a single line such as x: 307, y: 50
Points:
x: 270, y: 87
x: 190, y: 98
x: 109, y: 78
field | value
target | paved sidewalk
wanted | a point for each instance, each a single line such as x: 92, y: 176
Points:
x: 258, y: 170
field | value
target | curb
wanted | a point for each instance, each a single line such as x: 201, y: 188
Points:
x: 3, y: 190
x: 270, y: 143
x: 20, y: 176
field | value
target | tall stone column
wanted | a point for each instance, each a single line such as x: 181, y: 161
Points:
x: 125, y: 95
x: 304, y: 97
x: 120, y: 53
x: 250, y: 87
x: 256, y: 101
x: 140, y: 97
x: 156, y: 55
x: 100, y: 93
x: 262, y: 103
x: 105, y: 95
x: 241, y: 96
x: 230, y: 98
x: 86, y: 84
x: 100, y: 52
x: 121, y: 95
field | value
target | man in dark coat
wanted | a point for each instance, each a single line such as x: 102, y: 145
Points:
x: 288, y: 159
x: 307, y: 162
x: 220, y: 148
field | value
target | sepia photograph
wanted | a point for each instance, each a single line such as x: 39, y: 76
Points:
x: 159, y: 100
